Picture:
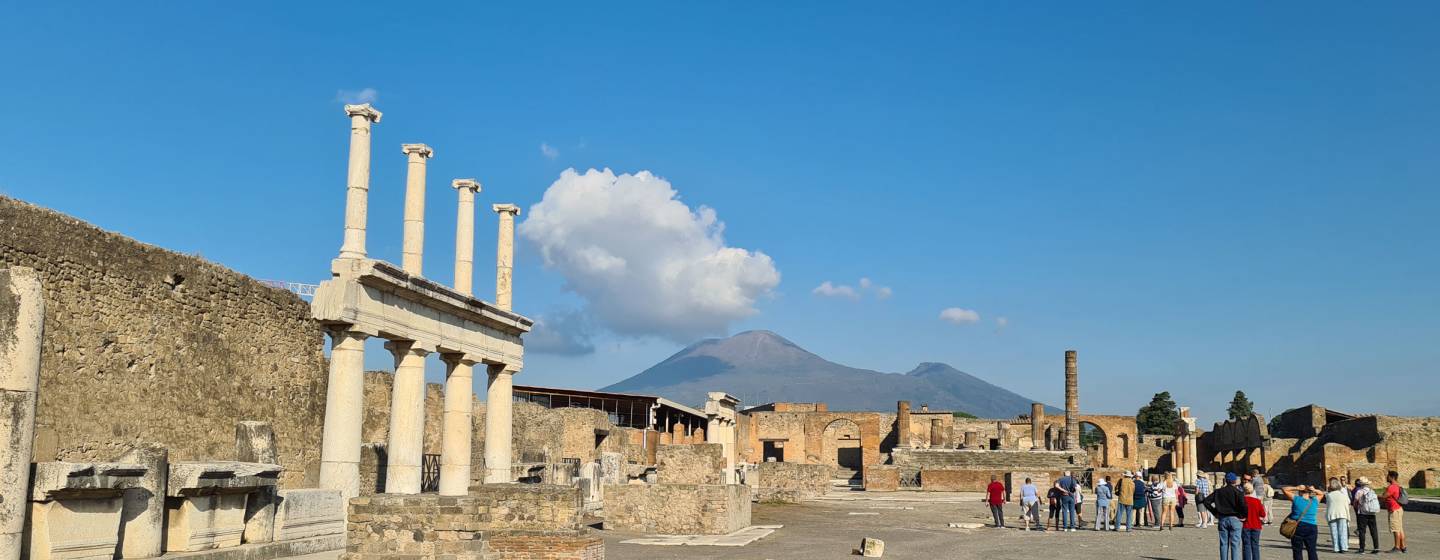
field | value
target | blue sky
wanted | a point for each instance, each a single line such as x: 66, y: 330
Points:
x: 1198, y: 199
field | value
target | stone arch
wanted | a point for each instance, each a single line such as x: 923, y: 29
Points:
x: 1094, y: 435
x: 1119, y: 449
x: 842, y: 444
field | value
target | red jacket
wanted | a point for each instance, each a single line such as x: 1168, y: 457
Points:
x: 996, y: 490
x: 1255, y: 509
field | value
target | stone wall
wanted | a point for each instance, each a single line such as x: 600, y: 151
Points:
x: 690, y: 464
x: 522, y: 521
x: 790, y: 482
x: 993, y: 460
x: 882, y: 478
x: 677, y: 509
x: 143, y: 344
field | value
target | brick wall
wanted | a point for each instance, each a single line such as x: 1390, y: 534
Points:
x: 677, y: 509
x: 882, y: 478
x: 1003, y: 460
x: 529, y: 521
x: 143, y: 344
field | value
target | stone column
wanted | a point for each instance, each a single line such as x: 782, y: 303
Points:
x: 1037, y: 426
x: 499, y: 397
x: 344, y: 408
x: 407, y: 419
x: 505, y: 254
x: 457, y: 430
x: 358, y: 179
x: 1192, y: 461
x: 902, y: 424
x: 22, y: 319
x: 937, y: 433
x: 1002, y: 433
x: 1072, y: 402
x: 972, y: 440
x: 413, y: 243
x: 465, y: 236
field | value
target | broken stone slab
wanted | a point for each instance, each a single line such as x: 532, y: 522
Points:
x: 202, y: 478
x: 965, y: 525
x: 142, y: 515
x: 208, y: 504
x: 255, y: 442
x: 612, y: 467
x: 872, y: 548
x: 75, y: 508
x: 309, y: 512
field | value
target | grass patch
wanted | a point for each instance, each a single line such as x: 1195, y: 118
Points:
x: 1428, y: 492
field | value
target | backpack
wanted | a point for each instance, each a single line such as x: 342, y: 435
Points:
x: 1404, y: 498
x: 1367, y: 502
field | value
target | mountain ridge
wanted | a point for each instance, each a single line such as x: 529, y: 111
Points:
x: 762, y: 366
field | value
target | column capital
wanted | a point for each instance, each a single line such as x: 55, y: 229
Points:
x: 460, y: 358
x: 345, y: 331
x: 502, y: 369
x: 511, y: 209
x: 471, y: 184
x: 363, y: 110
x: 417, y: 149
x: 406, y: 347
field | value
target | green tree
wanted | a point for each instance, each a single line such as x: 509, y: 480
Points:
x: 963, y: 414
x: 1241, y: 407
x: 1158, y: 417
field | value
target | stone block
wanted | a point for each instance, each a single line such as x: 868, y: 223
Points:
x: 881, y: 478
x: 214, y: 504
x: 204, y: 522
x: 200, y: 478
x: 955, y: 480
x: 309, y: 513
x: 872, y: 548
x: 1041, y: 479
x: 612, y: 468
x: 260, y: 516
x: 690, y: 464
x: 142, y: 531
x: 75, y: 509
x: 790, y: 482
x: 255, y: 442
x: 677, y: 509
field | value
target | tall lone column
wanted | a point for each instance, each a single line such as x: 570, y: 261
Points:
x: 457, y: 431
x: 465, y: 235
x: 902, y: 424
x: 1072, y: 403
x: 413, y: 243
x: 357, y: 183
x: 498, y: 400
x: 1037, y: 425
x: 407, y: 419
x: 344, y: 408
x: 505, y: 254
x: 937, y: 434
x: 22, y: 319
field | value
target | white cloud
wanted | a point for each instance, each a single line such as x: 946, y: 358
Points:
x: 566, y: 332
x: 864, y: 283
x: 959, y: 316
x: 550, y: 152
x: 1001, y: 323
x: 644, y: 262
x: 357, y: 96
x: 884, y: 292
x: 829, y: 289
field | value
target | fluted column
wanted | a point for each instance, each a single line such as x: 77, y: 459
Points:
x: 357, y: 183
x: 457, y: 430
x: 505, y: 254
x: 407, y: 419
x: 1037, y: 426
x: 22, y: 318
x: 465, y: 234
x: 344, y: 409
x: 499, y: 394
x: 1072, y: 402
x: 413, y: 243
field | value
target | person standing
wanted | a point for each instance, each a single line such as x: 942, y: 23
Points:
x: 1337, y: 513
x: 1396, y: 508
x: 1304, y: 505
x: 995, y: 496
x: 1366, y: 505
x: 1181, y: 500
x: 1068, y: 487
x: 1156, y: 500
x: 1169, y: 500
x: 1054, y: 498
x: 1254, y: 521
x: 1030, y: 504
x: 1202, y: 489
x: 1142, y: 497
x: 1103, y: 496
x: 1264, y: 492
x: 1125, y: 500
x: 1229, y: 507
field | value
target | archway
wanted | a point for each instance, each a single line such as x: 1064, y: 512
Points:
x: 1094, y: 440
x: 842, y: 445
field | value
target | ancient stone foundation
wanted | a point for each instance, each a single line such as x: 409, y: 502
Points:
x: 690, y: 464
x: 520, y: 521
x: 790, y: 482
x: 677, y: 509
x: 882, y: 478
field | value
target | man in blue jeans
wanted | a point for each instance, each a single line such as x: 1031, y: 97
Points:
x: 1068, y: 487
x: 1228, y: 505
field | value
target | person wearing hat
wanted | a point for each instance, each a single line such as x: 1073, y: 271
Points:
x: 1124, y: 500
x: 1304, y: 503
x: 1202, y: 489
x: 1367, y: 506
x: 1228, y: 505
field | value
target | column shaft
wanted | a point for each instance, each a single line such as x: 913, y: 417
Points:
x: 465, y: 235
x: 498, y: 400
x: 1037, y: 426
x: 1072, y: 402
x: 413, y: 242
x: 407, y: 420
x: 344, y: 407
x: 458, y: 431
x: 1192, y: 461
x: 357, y: 181
x: 23, y: 316
x: 505, y: 254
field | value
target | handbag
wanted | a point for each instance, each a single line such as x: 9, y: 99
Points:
x: 1292, y: 522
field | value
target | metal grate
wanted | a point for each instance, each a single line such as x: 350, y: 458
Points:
x: 910, y: 479
x: 429, y: 473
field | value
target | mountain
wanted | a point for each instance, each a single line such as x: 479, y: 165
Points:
x: 760, y: 367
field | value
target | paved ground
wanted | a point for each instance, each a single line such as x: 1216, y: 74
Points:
x: 833, y: 529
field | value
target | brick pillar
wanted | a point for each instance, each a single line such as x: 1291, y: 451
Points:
x: 1072, y: 402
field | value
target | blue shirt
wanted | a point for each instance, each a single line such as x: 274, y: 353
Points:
x: 1103, y: 493
x: 1029, y: 494
x: 1305, y: 509
x: 1067, y: 484
x: 1202, y: 487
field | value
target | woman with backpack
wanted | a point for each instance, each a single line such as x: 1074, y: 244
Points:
x: 1367, y: 505
x: 1395, y: 500
x: 1304, y: 505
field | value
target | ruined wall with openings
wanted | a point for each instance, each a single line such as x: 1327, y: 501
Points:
x: 143, y: 344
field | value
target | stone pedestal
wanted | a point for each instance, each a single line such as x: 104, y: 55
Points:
x: 143, y: 532
x: 207, y: 503
x: 310, y: 512
x: 75, y: 509
x: 22, y: 312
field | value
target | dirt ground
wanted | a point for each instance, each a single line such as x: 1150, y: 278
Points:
x: 914, y: 525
